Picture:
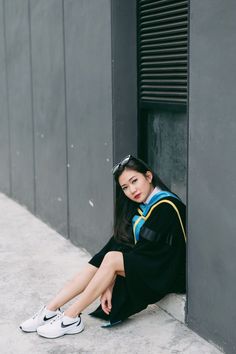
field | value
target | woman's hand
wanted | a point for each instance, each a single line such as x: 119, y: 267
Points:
x: 106, y: 300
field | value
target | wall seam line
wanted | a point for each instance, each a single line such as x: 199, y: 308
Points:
x: 32, y: 105
x: 66, y: 122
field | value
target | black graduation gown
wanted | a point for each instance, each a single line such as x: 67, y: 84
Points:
x: 154, y: 266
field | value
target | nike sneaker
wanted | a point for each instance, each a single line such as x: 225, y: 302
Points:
x: 41, y: 317
x: 60, y: 326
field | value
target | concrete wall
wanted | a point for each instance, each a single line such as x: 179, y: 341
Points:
x: 68, y: 109
x: 167, y: 147
x: 124, y: 78
x: 5, y: 170
x: 89, y: 117
x: 163, y: 143
x: 212, y: 172
x: 19, y: 99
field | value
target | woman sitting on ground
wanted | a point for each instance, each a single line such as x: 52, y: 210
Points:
x: 142, y: 262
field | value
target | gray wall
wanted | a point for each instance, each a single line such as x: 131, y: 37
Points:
x: 166, y: 137
x: 89, y: 112
x: 19, y: 99
x: 212, y: 172
x: 68, y: 109
x: 5, y: 170
x: 124, y: 78
x: 48, y: 87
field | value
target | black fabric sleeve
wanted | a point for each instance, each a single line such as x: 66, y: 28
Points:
x: 162, y: 221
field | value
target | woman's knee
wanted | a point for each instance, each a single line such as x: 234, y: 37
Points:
x: 114, y: 259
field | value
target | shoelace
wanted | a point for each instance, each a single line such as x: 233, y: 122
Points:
x: 37, y: 313
x: 58, y: 316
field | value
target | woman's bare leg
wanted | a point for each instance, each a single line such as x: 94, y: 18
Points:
x: 111, y: 265
x: 73, y: 288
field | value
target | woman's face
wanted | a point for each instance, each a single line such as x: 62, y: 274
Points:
x: 135, y: 185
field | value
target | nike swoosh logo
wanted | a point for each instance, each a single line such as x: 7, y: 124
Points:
x: 67, y: 325
x: 48, y: 318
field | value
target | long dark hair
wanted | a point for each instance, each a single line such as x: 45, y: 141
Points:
x: 125, y: 208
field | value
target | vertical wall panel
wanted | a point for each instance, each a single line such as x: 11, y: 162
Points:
x: 167, y: 147
x: 72, y: 95
x: 212, y: 172
x: 19, y: 98
x: 4, y: 131
x: 124, y: 78
x: 49, y: 111
x: 89, y: 113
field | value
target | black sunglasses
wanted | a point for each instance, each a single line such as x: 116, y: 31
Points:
x: 122, y: 163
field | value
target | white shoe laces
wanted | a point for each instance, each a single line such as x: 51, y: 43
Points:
x: 58, y: 316
x: 38, y: 313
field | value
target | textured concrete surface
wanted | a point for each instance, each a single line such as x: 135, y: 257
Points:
x: 35, y: 262
x: 174, y: 304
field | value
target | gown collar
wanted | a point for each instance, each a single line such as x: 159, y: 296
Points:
x: 155, y: 191
x: 154, y: 198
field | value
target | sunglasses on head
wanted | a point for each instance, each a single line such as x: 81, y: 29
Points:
x: 122, y: 163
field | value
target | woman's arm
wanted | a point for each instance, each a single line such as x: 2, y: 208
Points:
x: 106, y: 298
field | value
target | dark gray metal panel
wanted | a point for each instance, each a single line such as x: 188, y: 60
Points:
x: 4, y: 131
x: 89, y: 113
x: 49, y: 112
x: 212, y: 172
x: 124, y: 78
x: 19, y: 98
x: 167, y: 147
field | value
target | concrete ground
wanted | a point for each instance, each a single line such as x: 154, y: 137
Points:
x: 35, y: 262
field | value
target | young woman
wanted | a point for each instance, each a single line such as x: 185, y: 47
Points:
x: 142, y: 262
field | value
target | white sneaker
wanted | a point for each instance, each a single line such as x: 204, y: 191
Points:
x: 60, y: 326
x: 42, y: 317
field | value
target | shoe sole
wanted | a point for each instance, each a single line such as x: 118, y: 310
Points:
x: 28, y: 331
x: 61, y: 335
